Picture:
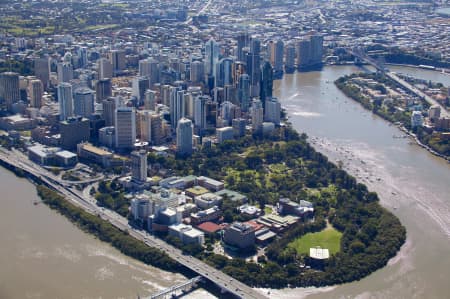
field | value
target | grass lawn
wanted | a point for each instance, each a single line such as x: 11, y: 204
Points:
x: 329, y: 238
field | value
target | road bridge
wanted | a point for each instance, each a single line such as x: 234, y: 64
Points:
x: 176, y: 289
x: 359, y: 53
x: 222, y: 280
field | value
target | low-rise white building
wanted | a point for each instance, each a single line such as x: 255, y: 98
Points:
x: 187, y: 234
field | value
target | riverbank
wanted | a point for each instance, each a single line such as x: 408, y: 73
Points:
x: 418, y: 142
x: 349, y: 200
x: 391, y: 113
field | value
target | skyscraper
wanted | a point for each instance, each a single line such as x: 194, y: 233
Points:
x: 157, y: 133
x: 35, y: 91
x: 197, y: 72
x: 109, y: 107
x: 125, y: 124
x: 105, y: 69
x: 266, y: 82
x: 149, y: 68
x: 65, y: 100
x: 83, y: 102
x: 254, y: 66
x: 211, y: 57
x: 150, y: 100
x: 303, y: 54
x: 65, y: 71
x: 224, y: 72
x: 290, y: 59
x: 184, y: 136
x: 272, y: 111
x: 140, y: 85
x: 226, y: 111
x: 74, y: 130
x: 316, y: 50
x: 278, y: 57
x: 244, y: 92
x: 9, y: 88
x: 103, y: 89
x: 257, y: 113
x: 42, y: 70
x: 200, y: 112
x: 144, y: 125
x: 242, y: 42
x: 139, y: 165
x: 176, y: 105
x: 117, y: 59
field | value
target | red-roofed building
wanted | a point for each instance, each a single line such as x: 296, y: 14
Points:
x: 257, y: 226
x: 209, y: 227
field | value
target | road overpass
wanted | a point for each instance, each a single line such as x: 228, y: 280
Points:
x: 209, y: 273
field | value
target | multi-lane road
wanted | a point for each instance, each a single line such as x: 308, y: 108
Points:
x: 79, y: 198
x: 393, y: 76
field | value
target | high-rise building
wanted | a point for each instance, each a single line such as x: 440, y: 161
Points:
x: 35, y: 91
x: 266, y: 82
x: 254, y: 71
x: 257, y: 113
x: 211, y: 57
x: 243, y: 41
x: 9, y: 88
x: 109, y: 107
x: 270, y: 54
x: 316, y: 50
x: 144, y: 68
x: 224, y: 72
x: 189, y: 101
x: 309, y: 52
x: 176, y: 105
x: 272, y: 111
x: 139, y: 86
x: 226, y: 111
x: 255, y: 45
x: 197, y: 72
x: 290, y: 59
x: 105, y: 69
x: 83, y: 102
x: 150, y: 68
x: 103, y: 89
x: 278, y: 57
x: 240, y: 235
x: 184, y: 136
x: 74, y: 130
x: 303, y: 54
x: 200, y: 111
x: 144, y: 125
x: 139, y: 165
x: 82, y: 57
x: 244, y: 92
x: 238, y: 125
x: 125, y: 124
x: 42, y: 70
x: 106, y: 136
x: 117, y: 59
x: 64, y: 71
x: 157, y: 129
x: 150, y: 100
x: 65, y: 100
x: 165, y: 94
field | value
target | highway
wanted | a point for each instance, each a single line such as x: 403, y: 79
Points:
x: 393, y: 76
x: 430, y: 100
x: 224, y: 281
